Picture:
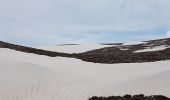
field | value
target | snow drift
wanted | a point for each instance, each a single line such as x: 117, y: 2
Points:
x: 28, y: 76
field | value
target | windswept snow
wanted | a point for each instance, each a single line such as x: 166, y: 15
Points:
x: 156, y: 48
x: 157, y: 84
x: 74, y: 48
x: 36, y: 77
x: 134, y: 43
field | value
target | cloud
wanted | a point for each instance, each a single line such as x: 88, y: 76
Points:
x: 168, y: 34
x: 69, y: 19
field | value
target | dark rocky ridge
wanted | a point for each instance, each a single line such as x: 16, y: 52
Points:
x: 32, y: 50
x: 126, y: 53
x: 111, y: 43
x: 130, y: 97
x: 109, y: 55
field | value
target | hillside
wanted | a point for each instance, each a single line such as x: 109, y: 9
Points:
x: 27, y: 76
x: 148, y: 51
x: 36, y: 74
x: 31, y: 50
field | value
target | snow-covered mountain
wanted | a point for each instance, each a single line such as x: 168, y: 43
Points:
x: 36, y: 74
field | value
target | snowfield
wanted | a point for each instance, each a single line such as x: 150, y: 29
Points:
x: 157, y: 48
x: 134, y: 43
x: 79, y: 48
x: 25, y: 76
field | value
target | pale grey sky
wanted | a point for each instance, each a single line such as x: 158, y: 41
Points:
x: 43, y: 22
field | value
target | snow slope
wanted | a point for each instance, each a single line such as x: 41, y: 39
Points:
x: 153, y: 84
x: 74, y: 48
x: 25, y: 76
x: 134, y: 43
x: 156, y: 48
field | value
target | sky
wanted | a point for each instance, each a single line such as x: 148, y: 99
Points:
x: 52, y: 22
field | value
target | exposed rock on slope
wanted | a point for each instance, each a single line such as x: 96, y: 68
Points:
x: 129, y: 97
x: 126, y: 53
x: 32, y: 50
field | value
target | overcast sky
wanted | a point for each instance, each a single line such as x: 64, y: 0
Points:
x: 51, y: 22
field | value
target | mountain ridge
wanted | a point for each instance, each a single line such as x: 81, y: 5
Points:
x: 109, y: 55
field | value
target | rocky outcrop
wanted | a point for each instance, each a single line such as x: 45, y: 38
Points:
x: 32, y: 50
x: 126, y: 54
x: 130, y: 97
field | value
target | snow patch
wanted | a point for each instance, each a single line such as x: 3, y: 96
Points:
x: 74, y: 48
x: 134, y: 43
x: 157, y: 48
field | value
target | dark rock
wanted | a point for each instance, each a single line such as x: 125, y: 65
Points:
x: 129, y: 97
x: 32, y: 50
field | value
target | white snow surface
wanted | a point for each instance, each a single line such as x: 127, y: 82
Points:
x: 134, y: 43
x: 25, y: 76
x: 74, y: 48
x: 156, y: 48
